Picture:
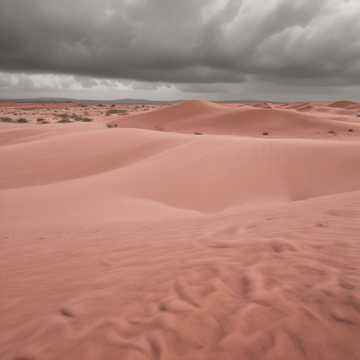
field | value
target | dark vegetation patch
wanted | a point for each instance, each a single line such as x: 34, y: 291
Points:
x: 6, y: 119
x: 22, y: 121
x: 42, y: 121
x: 66, y: 118
x: 67, y: 312
x: 64, y: 121
x: 163, y: 307
x: 116, y: 111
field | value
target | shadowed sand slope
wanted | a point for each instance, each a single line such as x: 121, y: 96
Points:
x: 200, y: 116
x: 136, y: 244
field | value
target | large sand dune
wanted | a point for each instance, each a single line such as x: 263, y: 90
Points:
x: 135, y: 243
x: 205, y: 117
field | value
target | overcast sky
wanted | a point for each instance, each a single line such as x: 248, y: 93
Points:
x: 170, y: 49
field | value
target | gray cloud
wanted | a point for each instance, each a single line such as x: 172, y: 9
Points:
x: 187, y: 42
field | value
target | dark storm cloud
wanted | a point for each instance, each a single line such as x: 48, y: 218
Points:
x: 187, y: 41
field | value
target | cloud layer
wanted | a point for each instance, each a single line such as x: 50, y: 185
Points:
x: 187, y: 42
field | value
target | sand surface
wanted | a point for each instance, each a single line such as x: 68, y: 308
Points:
x: 194, y: 231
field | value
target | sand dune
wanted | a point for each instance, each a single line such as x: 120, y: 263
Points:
x: 205, y: 117
x: 342, y: 104
x: 135, y: 243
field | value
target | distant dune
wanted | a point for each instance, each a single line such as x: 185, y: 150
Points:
x: 197, y: 230
x: 210, y: 118
x: 342, y: 104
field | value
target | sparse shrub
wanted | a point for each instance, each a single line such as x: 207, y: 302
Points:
x: 116, y: 111
x: 67, y: 312
x: 63, y: 116
x: 111, y: 125
x: 265, y: 133
x: 64, y: 121
x: 6, y: 119
x: 332, y: 132
x: 197, y: 133
x: 350, y: 130
x: 42, y: 121
x: 113, y: 105
x: 80, y: 118
x: 22, y: 120
x: 159, y: 128
x: 163, y: 307
x: 75, y: 117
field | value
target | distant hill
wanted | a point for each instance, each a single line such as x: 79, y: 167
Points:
x: 85, y: 101
x: 116, y: 101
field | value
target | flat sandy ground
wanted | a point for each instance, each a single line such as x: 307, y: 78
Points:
x: 191, y: 231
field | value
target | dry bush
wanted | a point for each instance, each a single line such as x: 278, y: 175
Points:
x: 116, y: 111
x: 22, y: 120
x: 64, y: 121
x: 6, y: 119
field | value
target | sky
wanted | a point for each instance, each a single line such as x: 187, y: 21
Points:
x: 277, y: 50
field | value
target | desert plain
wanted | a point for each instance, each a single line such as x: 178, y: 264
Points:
x: 195, y: 230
